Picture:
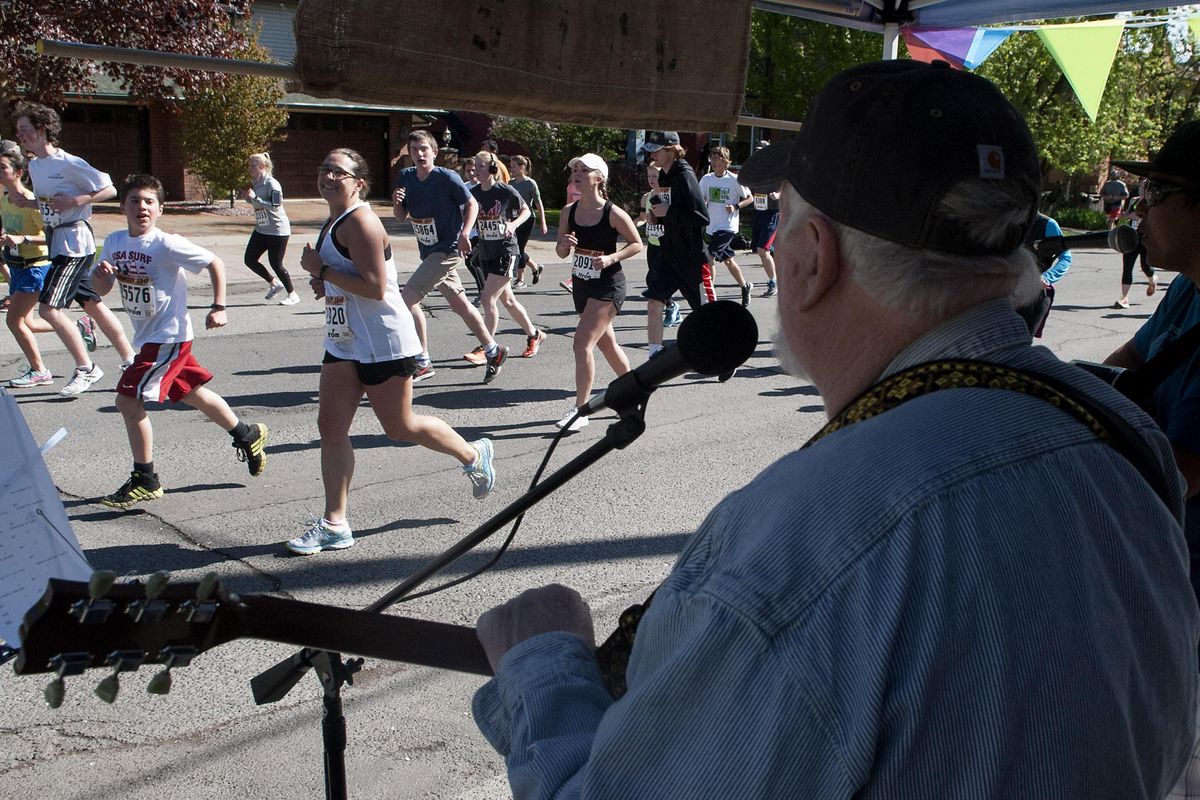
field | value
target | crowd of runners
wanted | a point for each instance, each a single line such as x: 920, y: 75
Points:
x: 376, y: 342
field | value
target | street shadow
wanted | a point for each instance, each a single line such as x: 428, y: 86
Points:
x: 299, y: 369
x: 331, y: 569
x: 148, y: 558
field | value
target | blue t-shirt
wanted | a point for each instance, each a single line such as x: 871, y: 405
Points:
x: 434, y: 207
x: 1175, y: 405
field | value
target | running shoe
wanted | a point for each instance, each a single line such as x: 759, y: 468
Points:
x: 579, y: 424
x: 138, y: 489
x: 537, y: 274
x: 32, y: 378
x: 252, y: 451
x: 4, y: 304
x: 478, y: 356
x: 321, y: 535
x: 533, y: 344
x: 518, y: 284
x: 273, y: 292
x: 291, y: 300
x: 567, y: 285
x: 87, y: 331
x: 125, y: 365
x: 81, y: 381
x: 746, y: 290
x: 771, y: 289
x: 477, y: 302
x: 672, y: 315
x: 423, y: 373
x: 481, y: 473
x: 494, y: 364
x: 1122, y: 303
x: 1152, y: 285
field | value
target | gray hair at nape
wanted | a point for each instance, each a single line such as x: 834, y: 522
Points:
x: 930, y: 284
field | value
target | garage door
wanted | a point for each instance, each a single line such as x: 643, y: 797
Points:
x: 110, y: 138
x: 311, y: 136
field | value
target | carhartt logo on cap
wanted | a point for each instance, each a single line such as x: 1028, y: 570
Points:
x: 991, y: 161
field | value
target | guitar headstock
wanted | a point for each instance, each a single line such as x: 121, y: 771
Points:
x: 78, y: 626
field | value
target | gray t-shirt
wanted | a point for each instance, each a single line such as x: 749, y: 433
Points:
x: 528, y: 189
x: 269, y: 216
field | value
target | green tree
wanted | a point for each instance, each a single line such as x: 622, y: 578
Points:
x: 1150, y: 90
x: 551, y: 146
x: 792, y: 58
x: 226, y: 121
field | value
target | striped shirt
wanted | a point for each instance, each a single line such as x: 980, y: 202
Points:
x: 969, y: 596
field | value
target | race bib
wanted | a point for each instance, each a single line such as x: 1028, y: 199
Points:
x: 426, y: 231
x: 655, y: 230
x: 586, y: 264
x: 760, y: 202
x: 260, y: 217
x: 663, y: 197
x: 49, y: 215
x: 337, y: 329
x: 717, y: 194
x: 493, y: 229
x: 137, y: 295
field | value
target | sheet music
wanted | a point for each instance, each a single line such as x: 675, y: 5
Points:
x: 36, y: 541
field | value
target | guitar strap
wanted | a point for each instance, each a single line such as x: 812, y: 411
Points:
x: 909, y: 384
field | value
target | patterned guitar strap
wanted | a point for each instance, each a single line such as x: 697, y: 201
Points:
x: 923, y: 379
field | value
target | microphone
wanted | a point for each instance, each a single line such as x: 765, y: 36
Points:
x: 713, y: 340
x: 1123, y: 239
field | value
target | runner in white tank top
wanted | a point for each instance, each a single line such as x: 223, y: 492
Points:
x: 370, y: 348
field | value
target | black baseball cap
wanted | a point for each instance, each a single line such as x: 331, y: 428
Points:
x: 1179, y: 157
x: 883, y: 142
x: 657, y: 140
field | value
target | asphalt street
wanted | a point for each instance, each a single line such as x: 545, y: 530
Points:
x: 613, y: 532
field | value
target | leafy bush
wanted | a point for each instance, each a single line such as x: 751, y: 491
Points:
x: 1087, y: 219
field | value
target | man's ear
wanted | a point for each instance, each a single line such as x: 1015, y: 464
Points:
x: 813, y: 266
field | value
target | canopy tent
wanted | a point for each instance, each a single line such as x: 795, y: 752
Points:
x: 678, y: 64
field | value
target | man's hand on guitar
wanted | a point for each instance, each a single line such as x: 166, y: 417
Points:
x: 550, y: 608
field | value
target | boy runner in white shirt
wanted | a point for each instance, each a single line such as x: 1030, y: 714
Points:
x: 149, y: 266
x: 725, y: 198
x: 65, y: 188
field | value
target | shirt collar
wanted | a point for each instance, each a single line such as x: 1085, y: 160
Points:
x: 981, y: 333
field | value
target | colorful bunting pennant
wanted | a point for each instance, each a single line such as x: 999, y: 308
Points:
x: 967, y: 46
x: 1085, y: 52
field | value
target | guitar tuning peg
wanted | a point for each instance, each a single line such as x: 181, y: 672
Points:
x: 156, y: 583
x: 100, y: 583
x: 55, y: 690
x: 108, y: 688
x: 160, y: 683
x: 207, y: 585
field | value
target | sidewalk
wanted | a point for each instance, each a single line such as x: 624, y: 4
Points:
x: 227, y: 234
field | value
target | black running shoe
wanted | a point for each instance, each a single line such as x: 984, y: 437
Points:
x: 494, y: 364
x: 139, y: 488
x: 252, y: 451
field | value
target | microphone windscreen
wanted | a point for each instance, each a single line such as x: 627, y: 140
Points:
x: 717, y: 338
x: 1123, y: 239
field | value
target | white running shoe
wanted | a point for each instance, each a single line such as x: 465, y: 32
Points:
x: 273, y: 292
x: 578, y: 425
x: 321, y: 536
x: 290, y: 300
x: 81, y: 381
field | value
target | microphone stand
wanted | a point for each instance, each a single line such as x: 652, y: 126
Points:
x: 274, y: 683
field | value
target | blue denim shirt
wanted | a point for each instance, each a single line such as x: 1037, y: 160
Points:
x: 969, y: 596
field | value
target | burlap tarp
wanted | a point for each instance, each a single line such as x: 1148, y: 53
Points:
x: 655, y: 64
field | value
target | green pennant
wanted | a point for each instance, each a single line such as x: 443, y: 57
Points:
x: 1085, y: 52
x: 1194, y: 24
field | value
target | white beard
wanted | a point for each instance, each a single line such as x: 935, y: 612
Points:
x: 783, y: 351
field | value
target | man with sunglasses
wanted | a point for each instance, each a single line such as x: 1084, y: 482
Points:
x: 1170, y: 232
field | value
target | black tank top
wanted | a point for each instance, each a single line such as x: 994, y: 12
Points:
x: 601, y: 237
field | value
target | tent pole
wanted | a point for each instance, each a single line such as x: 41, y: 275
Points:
x: 891, y: 41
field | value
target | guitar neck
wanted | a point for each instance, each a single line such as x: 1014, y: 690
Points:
x: 340, y: 630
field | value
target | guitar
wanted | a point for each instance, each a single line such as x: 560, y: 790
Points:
x: 78, y: 626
